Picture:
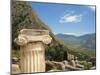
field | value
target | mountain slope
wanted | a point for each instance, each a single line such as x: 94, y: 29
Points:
x: 84, y: 41
x: 71, y: 39
x: 88, y: 41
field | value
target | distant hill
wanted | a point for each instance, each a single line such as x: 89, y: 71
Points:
x: 88, y: 41
x: 71, y: 39
x: 84, y: 41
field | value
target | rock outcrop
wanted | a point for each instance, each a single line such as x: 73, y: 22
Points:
x: 62, y: 66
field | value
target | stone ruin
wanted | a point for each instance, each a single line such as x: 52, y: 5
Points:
x: 72, y: 64
x: 32, y: 54
x: 32, y: 50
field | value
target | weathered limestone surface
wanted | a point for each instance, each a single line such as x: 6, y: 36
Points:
x: 15, y: 69
x: 60, y: 66
x: 71, y: 64
x: 78, y: 64
x: 32, y: 49
x: 15, y: 66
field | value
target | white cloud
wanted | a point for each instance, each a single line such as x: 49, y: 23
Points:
x: 54, y: 33
x: 92, y: 8
x: 76, y: 34
x: 70, y: 18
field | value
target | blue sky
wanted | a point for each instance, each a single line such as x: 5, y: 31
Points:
x: 67, y: 18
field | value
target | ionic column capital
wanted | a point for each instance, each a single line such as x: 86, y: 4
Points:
x: 33, y: 35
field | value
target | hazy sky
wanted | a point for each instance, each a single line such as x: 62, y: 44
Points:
x: 67, y: 18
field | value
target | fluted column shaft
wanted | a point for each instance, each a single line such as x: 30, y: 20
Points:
x: 32, y: 58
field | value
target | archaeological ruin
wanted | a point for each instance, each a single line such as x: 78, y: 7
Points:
x: 32, y: 50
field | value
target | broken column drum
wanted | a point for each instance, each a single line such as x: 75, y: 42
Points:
x: 32, y: 50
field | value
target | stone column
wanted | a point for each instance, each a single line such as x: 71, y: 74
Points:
x: 32, y: 49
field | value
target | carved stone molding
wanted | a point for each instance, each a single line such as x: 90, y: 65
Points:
x: 32, y: 50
